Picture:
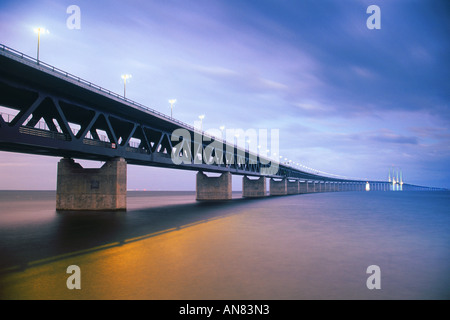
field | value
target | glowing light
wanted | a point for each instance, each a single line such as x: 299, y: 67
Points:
x: 172, y: 101
x: 201, y: 117
x: 39, y: 31
x: 125, y: 77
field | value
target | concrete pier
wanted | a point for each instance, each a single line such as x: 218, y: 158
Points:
x: 253, y: 187
x: 213, y: 188
x: 292, y: 187
x: 104, y: 188
x: 278, y: 188
x: 303, y: 187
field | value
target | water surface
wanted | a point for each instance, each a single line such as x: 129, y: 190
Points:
x: 168, y: 246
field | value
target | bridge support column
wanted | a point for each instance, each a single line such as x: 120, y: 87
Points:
x: 253, y: 188
x: 292, y: 187
x: 278, y: 188
x: 213, y: 188
x: 91, y: 189
x: 303, y: 187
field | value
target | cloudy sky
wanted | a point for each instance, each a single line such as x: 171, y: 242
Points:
x: 346, y: 99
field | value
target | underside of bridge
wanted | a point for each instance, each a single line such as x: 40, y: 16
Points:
x: 105, y: 188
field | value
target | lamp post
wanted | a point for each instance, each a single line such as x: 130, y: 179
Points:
x: 247, y: 145
x: 38, y: 31
x: 221, y: 132
x: 125, y: 77
x: 201, y: 117
x: 172, y: 101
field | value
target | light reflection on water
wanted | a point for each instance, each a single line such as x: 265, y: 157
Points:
x: 167, y: 246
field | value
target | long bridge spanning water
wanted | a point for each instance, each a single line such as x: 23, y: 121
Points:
x: 55, y: 113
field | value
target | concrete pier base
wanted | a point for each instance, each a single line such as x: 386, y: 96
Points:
x: 213, y: 188
x: 252, y: 188
x: 303, y: 187
x: 91, y: 189
x: 278, y: 188
x: 292, y: 187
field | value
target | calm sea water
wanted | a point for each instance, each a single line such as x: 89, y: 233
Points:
x: 168, y: 246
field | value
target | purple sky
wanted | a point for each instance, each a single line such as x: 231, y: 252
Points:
x: 346, y: 99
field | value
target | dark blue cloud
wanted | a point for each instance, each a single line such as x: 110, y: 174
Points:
x: 394, y: 138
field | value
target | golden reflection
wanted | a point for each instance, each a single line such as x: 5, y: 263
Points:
x: 113, y: 270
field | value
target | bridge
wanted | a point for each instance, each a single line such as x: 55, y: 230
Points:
x: 54, y: 113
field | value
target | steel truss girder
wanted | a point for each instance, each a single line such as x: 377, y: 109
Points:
x: 46, y: 126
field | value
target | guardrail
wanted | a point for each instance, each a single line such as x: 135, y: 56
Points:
x: 88, y: 83
x: 68, y: 75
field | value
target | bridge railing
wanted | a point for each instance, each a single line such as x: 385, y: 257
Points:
x: 87, y: 83
x: 101, y: 89
x: 79, y: 80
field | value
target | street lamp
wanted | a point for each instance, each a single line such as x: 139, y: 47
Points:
x: 125, y: 77
x: 221, y: 130
x: 38, y: 31
x: 201, y: 117
x: 236, y: 137
x: 172, y: 101
x: 247, y: 147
